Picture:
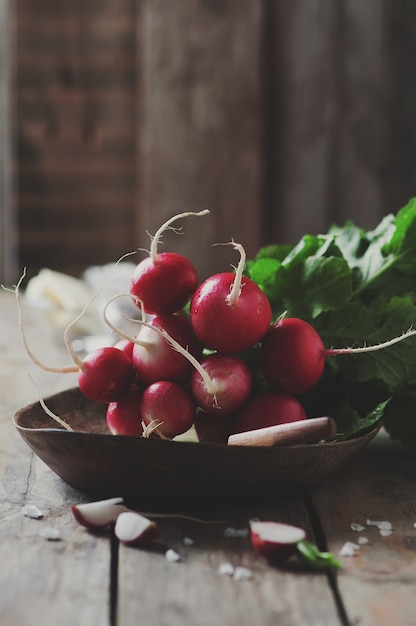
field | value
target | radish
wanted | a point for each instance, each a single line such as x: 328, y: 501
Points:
x: 221, y: 383
x: 230, y: 313
x: 227, y: 386
x: 274, y: 541
x: 164, y: 282
x: 293, y: 354
x: 100, y: 514
x: 167, y: 408
x: 154, y: 358
x: 134, y: 529
x: 268, y: 408
x: 105, y: 374
x: 123, y: 416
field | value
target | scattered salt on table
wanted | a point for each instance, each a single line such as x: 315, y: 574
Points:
x: 242, y: 573
x: 31, y: 510
x: 51, y: 534
x: 349, y: 549
x: 172, y: 556
x: 226, y: 569
x: 357, y: 527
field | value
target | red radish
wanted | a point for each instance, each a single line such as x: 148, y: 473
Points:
x: 275, y: 541
x: 164, y: 282
x: 213, y: 428
x: 228, y: 387
x: 153, y: 356
x: 229, y: 312
x: 293, y: 354
x: 134, y: 529
x: 167, y: 408
x: 105, y: 375
x: 100, y: 514
x: 123, y: 416
x: 268, y: 408
x: 225, y: 390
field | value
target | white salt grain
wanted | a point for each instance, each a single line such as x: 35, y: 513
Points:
x: 362, y: 541
x: 385, y: 532
x: 31, y: 510
x: 51, y: 534
x: 187, y: 541
x: 242, y: 573
x: 172, y: 556
x: 349, y: 549
x: 226, y: 569
x: 380, y: 525
x: 357, y: 527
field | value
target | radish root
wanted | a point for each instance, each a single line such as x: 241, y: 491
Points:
x: 379, y: 346
x: 55, y: 417
x: 166, y: 225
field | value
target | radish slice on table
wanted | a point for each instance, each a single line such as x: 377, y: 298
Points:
x: 135, y: 529
x: 275, y: 541
x: 98, y: 514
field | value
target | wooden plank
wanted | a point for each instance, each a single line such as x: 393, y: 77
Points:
x: 377, y: 584
x: 199, y: 125
x: 192, y: 591
x: 77, y: 140
x: 46, y: 582
x: 331, y: 116
x: 7, y: 125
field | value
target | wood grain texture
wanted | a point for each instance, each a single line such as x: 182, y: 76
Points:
x: 8, y: 231
x: 44, y: 581
x: 193, y: 591
x: 376, y: 584
x: 200, y: 127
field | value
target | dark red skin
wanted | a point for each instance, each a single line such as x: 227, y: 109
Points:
x: 170, y: 404
x: 105, y: 375
x: 234, y: 381
x: 161, y: 361
x: 123, y: 416
x: 268, y: 409
x: 213, y: 428
x: 229, y: 328
x: 292, y: 356
x: 164, y: 286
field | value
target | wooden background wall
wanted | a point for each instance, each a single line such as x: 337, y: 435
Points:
x: 280, y: 116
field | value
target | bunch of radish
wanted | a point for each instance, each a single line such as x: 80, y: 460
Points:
x: 187, y: 365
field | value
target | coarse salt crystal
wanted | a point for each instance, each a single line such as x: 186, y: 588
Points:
x: 357, y: 527
x: 242, y: 573
x: 380, y: 525
x: 51, y: 534
x: 172, y: 556
x: 187, y: 541
x: 31, y: 510
x: 385, y: 532
x: 226, y: 569
x: 362, y: 540
x: 349, y: 549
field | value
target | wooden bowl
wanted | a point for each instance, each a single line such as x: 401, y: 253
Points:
x: 153, y: 470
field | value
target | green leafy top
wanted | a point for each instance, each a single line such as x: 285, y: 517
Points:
x: 355, y: 287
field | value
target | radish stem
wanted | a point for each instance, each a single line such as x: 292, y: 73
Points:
x: 48, y: 411
x: 165, y: 226
x: 380, y: 346
x: 62, y: 370
x: 235, y: 292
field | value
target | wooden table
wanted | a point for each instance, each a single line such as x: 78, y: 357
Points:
x: 85, y: 578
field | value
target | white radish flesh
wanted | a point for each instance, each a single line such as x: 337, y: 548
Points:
x: 275, y: 541
x: 99, y: 514
x: 135, y: 529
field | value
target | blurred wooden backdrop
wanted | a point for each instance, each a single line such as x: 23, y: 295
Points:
x: 280, y: 116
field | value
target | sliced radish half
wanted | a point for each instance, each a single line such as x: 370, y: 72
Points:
x: 133, y: 528
x: 275, y: 541
x: 99, y: 514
